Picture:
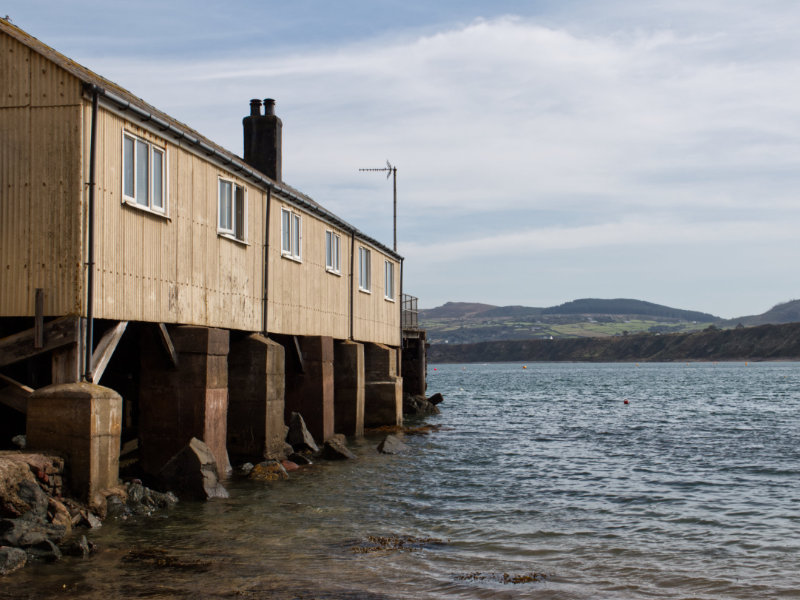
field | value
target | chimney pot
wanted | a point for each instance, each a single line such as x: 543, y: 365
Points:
x: 262, y: 139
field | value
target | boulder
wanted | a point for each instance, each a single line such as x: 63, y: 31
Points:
x: 33, y: 496
x: 299, y: 437
x: 437, y: 398
x: 392, y: 445
x: 12, y: 474
x: 269, y: 470
x: 416, y: 405
x: 246, y: 468
x: 336, y: 450
x: 11, y: 559
x: 59, y: 515
x: 20, y: 441
x: 23, y: 533
x: 192, y: 473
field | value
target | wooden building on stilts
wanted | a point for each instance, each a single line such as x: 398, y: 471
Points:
x: 157, y: 287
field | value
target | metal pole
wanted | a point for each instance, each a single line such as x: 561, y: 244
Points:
x: 390, y: 170
x: 394, y: 185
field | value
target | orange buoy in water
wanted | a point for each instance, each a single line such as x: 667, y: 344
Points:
x: 625, y: 401
x: 524, y: 366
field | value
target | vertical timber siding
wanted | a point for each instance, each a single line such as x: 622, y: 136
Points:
x: 304, y: 299
x: 40, y: 183
x: 174, y: 268
x: 375, y: 318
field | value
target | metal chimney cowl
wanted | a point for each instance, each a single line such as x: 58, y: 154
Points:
x: 262, y: 139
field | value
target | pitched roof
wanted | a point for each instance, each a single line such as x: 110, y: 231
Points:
x: 125, y: 100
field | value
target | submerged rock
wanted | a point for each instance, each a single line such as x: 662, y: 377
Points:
x: 299, y: 437
x: 336, y: 450
x: 392, y: 445
x: 416, y: 405
x: 192, y: 473
x: 11, y: 559
x: 44, y: 550
x: 300, y: 459
x: 269, y: 470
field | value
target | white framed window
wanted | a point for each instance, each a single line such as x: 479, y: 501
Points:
x: 144, y: 173
x: 232, y: 209
x: 291, y: 234
x: 333, y: 252
x: 364, y: 275
x: 388, y: 279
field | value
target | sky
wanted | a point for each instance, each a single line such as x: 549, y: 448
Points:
x: 545, y: 150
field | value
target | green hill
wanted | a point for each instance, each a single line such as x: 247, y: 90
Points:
x: 625, y: 306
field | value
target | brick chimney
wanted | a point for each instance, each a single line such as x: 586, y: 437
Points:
x: 262, y: 139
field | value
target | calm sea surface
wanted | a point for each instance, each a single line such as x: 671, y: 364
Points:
x: 689, y: 491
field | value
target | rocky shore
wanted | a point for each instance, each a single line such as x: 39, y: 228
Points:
x: 40, y: 522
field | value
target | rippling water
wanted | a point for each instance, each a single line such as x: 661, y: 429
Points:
x: 689, y: 491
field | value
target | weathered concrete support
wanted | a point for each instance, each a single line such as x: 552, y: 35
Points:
x: 176, y: 405
x: 415, y: 364
x: 256, y: 399
x: 83, y: 422
x: 309, y: 389
x: 383, y: 389
x: 348, y: 388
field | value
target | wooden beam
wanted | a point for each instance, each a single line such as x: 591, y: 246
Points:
x: 65, y: 364
x: 15, y: 395
x: 166, y: 340
x: 105, y: 350
x: 56, y: 333
x: 299, y: 354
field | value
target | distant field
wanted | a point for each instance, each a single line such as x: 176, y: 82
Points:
x: 467, y: 330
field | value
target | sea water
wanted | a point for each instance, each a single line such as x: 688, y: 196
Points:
x: 541, y: 482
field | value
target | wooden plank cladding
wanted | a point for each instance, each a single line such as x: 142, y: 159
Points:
x: 185, y: 232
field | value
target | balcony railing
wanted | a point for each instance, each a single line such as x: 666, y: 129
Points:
x: 409, y: 317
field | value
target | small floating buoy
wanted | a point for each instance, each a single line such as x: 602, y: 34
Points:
x: 625, y: 401
x: 434, y: 368
x: 524, y: 366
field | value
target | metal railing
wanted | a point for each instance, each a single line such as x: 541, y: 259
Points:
x: 409, y: 316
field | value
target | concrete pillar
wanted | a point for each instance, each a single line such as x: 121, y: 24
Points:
x: 309, y: 386
x: 415, y: 364
x: 177, y: 404
x: 256, y: 399
x: 383, y: 389
x: 348, y: 388
x: 83, y: 422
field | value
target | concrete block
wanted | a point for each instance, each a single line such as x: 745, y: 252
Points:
x: 256, y: 427
x: 310, y: 393
x: 380, y: 362
x: 317, y: 348
x: 83, y: 422
x: 383, y: 403
x: 176, y: 405
x: 348, y: 388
